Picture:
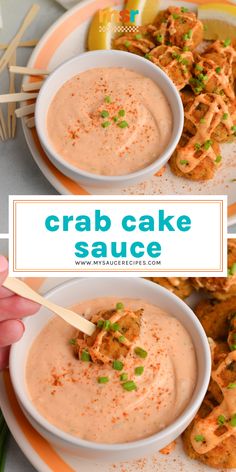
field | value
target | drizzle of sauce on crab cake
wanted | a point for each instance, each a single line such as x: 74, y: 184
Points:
x: 66, y: 390
x: 110, y: 121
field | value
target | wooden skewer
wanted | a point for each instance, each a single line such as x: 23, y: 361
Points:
x: 17, y: 97
x: 32, y: 86
x: 30, y: 123
x: 12, y: 106
x: 25, y: 110
x: 24, y: 44
x: 28, y: 71
x: 17, y: 38
x: 3, y: 126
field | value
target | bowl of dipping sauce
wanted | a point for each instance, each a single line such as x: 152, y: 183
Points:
x: 118, y: 411
x: 109, y: 118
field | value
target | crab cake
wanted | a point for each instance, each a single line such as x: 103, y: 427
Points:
x: 180, y: 286
x: 177, y: 26
x: 140, y: 42
x: 116, y: 331
x: 176, y: 63
x: 221, y: 288
x: 215, y: 316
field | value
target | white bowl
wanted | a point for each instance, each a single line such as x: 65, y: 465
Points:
x: 90, y: 60
x: 84, y: 289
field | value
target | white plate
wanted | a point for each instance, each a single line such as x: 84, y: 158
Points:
x: 66, y: 38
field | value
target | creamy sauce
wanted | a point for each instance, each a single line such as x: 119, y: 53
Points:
x: 78, y: 132
x: 66, y: 392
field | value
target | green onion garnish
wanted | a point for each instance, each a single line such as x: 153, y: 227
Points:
x: 85, y: 356
x: 221, y: 420
x: 187, y: 35
x: 120, y: 306
x: 107, y: 325
x: 117, y: 365
x: 184, y: 9
x: 103, y: 380
x: 147, y: 56
x: 115, y: 119
x: 226, y: 43
x: 225, y: 116
x: 218, y: 69
x: 233, y: 347
x: 123, y: 124
x: 139, y: 370
x: 199, y: 438
x: 233, y: 421
x: 107, y: 99
x: 197, y: 146
x: 104, y: 113
x: 72, y: 341
x: 124, y: 377
x: 159, y: 38
x: 121, y: 112
x: 198, y: 67
x: 138, y: 36
x: 127, y: 44
x: 100, y: 323
x: 233, y: 128
x: 175, y: 16
x: 184, y: 162
x: 140, y: 352
x: 202, y: 120
x: 231, y: 385
x: 115, y: 327
x: 218, y: 159
x: 129, y: 386
x: 207, y: 144
x: 121, y: 339
x: 105, y: 124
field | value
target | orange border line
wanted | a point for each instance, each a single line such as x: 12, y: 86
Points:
x: 42, y: 447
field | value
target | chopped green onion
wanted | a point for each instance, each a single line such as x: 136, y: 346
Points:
x: 103, y: 380
x: 117, y: 365
x: 129, y: 386
x: 124, y: 377
x: 187, y: 35
x: 233, y: 347
x: 231, y: 385
x: 107, y: 99
x: 107, y: 325
x: 121, y: 112
x: 185, y: 48
x: 184, y: 9
x: 127, y: 44
x: 208, y: 144
x: 100, y: 323
x: 104, y: 113
x: 138, y: 36
x: 202, y: 120
x: 121, y: 339
x: 218, y: 69
x: 233, y: 269
x: 72, y: 341
x: 233, y: 421
x: 119, y: 306
x: 198, y: 67
x: 199, y: 438
x: 115, y: 327
x: 147, y: 56
x: 226, y: 43
x: 115, y: 119
x: 175, y: 16
x: 106, y: 124
x: 218, y: 159
x: 85, y: 356
x: 159, y: 38
x: 123, y: 124
x: 221, y: 420
x: 225, y: 116
x: 197, y: 146
x: 184, y: 162
x: 233, y: 128
x: 140, y: 352
x: 139, y: 370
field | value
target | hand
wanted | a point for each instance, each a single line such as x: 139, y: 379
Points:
x: 12, y: 309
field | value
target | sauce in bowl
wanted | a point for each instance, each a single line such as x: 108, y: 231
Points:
x: 66, y: 390
x: 109, y: 121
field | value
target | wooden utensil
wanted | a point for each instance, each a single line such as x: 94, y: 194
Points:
x: 19, y: 287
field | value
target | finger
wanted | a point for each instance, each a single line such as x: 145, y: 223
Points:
x: 10, y: 332
x: 16, y: 307
x: 5, y: 292
x: 4, y: 357
x: 3, y: 269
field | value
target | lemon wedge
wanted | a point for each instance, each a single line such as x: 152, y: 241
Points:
x: 100, y: 32
x: 219, y: 20
x: 148, y: 10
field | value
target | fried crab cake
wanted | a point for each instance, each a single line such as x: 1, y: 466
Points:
x: 192, y: 163
x: 116, y: 331
x: 209, y: 77
x: 215, y: 316
x: 223, y: 54
x: 177, y: 26
x: 221, y: 288
x: 180, y: 286
x: 176, y: 63
x: 140, y: 42
x: 211, y: 437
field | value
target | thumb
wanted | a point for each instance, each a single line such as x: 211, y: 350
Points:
x: 3, y: 269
